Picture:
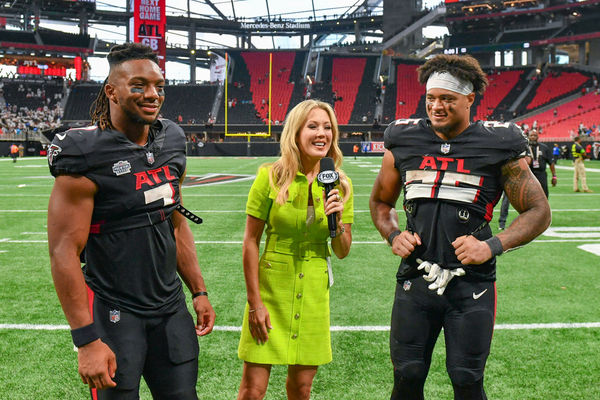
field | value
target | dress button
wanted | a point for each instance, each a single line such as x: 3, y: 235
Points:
x: 299, y: 296
x: 297, y: 316
x: 294, y: 336
x: 317, y: 199
x: 300, y: 275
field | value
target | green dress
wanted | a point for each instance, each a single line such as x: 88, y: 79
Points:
x: 292, y: 275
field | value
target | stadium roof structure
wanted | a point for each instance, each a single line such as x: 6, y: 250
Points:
x: 245, y: 19
x: 213, y: 16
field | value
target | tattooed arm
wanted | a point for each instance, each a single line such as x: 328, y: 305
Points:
x: 527, y: 196
x: 382, y: 204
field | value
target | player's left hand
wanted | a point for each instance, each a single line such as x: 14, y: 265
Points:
x: 470, y: 250
x: 432, y: 270
x: 205, y: 315
x: 553, y: 181
x: 443, y: 279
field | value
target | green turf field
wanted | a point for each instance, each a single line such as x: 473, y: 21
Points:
x: 554, y: 280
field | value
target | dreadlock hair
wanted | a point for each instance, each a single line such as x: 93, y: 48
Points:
x: 100, y: 110
x: 463, y: 67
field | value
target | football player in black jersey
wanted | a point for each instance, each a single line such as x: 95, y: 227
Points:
x: 114, y: 202
x: 452, y: 173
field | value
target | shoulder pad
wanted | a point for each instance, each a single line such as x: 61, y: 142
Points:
x: 399, y: 127
x: 173, y: 130
x: 505, y: 129
x: 506, y: 135
x: 66, y: 153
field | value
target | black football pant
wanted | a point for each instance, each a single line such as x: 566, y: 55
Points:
x: 164, y: 350
x: 466, y: 311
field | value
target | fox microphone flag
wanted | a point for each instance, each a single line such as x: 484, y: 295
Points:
x: 328, y: 178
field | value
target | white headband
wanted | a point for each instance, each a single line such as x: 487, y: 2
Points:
x: 445, y: 80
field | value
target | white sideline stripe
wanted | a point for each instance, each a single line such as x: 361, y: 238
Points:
x: 369, y: 242
x: 335, y: 328
x: 558, y: 210
x: 355, y: 195
x: 355, y: 211
x: 571, y: 168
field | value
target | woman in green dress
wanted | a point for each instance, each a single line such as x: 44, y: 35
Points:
x: 286, y: 320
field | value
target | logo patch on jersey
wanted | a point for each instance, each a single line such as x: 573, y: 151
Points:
x: 121, y: 168
x: 53, y: 151
x: 215, y: 179
x: 445, y: 148
x: 150, y: 158
x: 406, y: 286
x: 115, y: 316
x: 410, y: 207
x: 463, y: 214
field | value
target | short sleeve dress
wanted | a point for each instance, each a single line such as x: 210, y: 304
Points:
x: 293, y: 276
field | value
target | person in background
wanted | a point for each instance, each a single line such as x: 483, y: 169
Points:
x: 286, y: 319
x: 540, y: 158
x: 556, y: 152
x: 14, y: 152
x: 578, y: 153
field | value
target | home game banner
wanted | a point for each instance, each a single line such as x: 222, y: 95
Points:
x: 217, y: 68
x: 149, y: 26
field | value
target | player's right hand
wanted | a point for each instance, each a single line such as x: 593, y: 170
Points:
x: 260, y: 324
x: 97, y: 365
x: 404, y: 244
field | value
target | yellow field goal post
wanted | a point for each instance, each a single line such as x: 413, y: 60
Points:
x: 248, y: 134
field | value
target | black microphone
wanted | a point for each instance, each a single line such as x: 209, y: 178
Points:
x: 328, y: 178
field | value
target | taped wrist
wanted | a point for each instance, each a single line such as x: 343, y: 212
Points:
x: 84, y: 335
x: 495, y: 246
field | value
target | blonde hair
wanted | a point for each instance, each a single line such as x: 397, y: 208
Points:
x: 284, y: 170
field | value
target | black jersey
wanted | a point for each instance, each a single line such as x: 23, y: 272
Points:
x: 130, y: 254
x: 451, y: 186
x: 540, y: 157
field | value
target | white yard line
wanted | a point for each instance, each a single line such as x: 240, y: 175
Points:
x: 355, y: 211
x: 587, y: 169
x: 336, y: 328
x: 369, y: 242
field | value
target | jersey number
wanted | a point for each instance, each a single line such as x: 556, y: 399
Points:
x: 164, y: 192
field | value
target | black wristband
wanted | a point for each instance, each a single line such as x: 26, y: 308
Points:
x: 199, y: 294
x: 392, y: 235
x: 495, y: 245
x: 84, y: 335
